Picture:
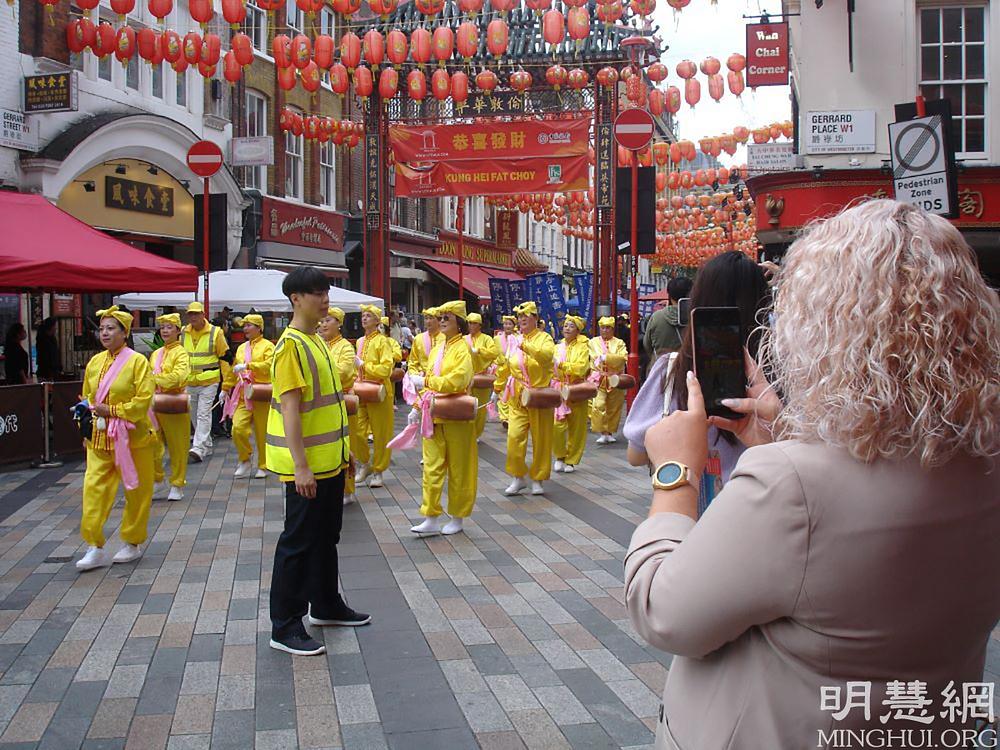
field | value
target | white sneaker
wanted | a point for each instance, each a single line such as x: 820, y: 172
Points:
x: 611, y: 439
x: 362, y: 473
x: 453, y: 526
x: 243, y: 470
x: 537, y: 489
x: 569, y: 469
x: 261, y: 474
x: 176, y: 493
x: 350, y: 499
x: 95, y: 558
x: 559, y: 465
x: 127, y: 554
x: 376, y: 480
x: 430, y: 526
x: 516, y: 487
x: 602, y: 440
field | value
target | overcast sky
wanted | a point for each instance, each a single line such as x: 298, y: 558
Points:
x: 705, y: 28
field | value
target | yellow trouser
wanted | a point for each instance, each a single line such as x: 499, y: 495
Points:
x: 571, y: 434
x: 521, y: 423
x: 503, y: 411
x: 483, y: 397
x: 354, y: 440
x: 375, y: 420
x: 100, y: 485
x: 175, y: 433
x: 451, y: 450
x: 243, y: 420
x: 606, y: 410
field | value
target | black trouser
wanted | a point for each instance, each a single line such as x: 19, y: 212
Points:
x: 305, y: 558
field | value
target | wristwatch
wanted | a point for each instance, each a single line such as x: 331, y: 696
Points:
x: 670, y: 475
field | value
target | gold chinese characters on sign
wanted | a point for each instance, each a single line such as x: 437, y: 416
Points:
x: 143, y: 197
x: 55, y: 92
x: 971, y: 203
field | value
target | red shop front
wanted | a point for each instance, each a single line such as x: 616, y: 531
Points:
x: 294, y: 234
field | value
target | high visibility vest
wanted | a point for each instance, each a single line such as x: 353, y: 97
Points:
x: 324, y: 416
x: 204, y: 361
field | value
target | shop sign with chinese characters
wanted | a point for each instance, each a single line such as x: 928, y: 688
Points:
x: 493, y: 140
x: 507, y: 229
x: 294, y: 224
x: 143, y: 197
x: 474, y: 252
x: 603, y: 170
x: 492, y: 177
x: 54, y: 92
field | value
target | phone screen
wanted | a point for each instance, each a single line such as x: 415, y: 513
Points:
x: 718, y: 357
x: 684, y: 310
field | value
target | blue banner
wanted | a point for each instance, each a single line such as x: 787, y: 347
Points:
x: 584, y: 284
x: 553, y: 302
x: 518, y: 293
x: 646, y: 308
x: 500, y: 298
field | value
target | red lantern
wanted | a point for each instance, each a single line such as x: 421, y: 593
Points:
x: 716, y: 86
x: 441, y: 84
x: 673, y: 181
x: 206, y: 71
x: 295, y: 122
x: 416, y: 85
x: 146, y: 42
x: 728, y: 143
x: 556, y: 75
x: 643, y: 7
x: 736, y: 62
x: 578, y: 24
x: 160, y: 9
x: 741, y: 133
x: 624, y: 157
x: 121, y: 7
x: 420, y: 46
x: 692, y: 91
x: 231, y: 68
x: 383, y: 8
x: 553, y: 27
x: 676, y: 153
x: 286, y: 78
x: 497, y: 37
x: 787, y: 128
x: 607, y: 77
x: 180, y: 66
x: 310, y: 77
x: 486, y: 81
x: 301, y: 51
x: 470, y: 7
x: 661, y: 182
x: 347, y: 8
x: 657, y: 72
x: 539, y: 6
x: 577, y: 78
x: 397, y: 47
x: 242, y: 48
x: 672, y: 101
x: 281, y: 50
x: 85, y: 5
x: 201, y: 11
x: 74, y: 37
x: 234, y: 11
x: 429, y: 8
x: 610, y: 13
x: 340, y: 79
x: 309, y: 7
x: 388, y: 83
x: 350, y: 50
x: 211, y: 49
x: 467, y: 40
x: 364, y: 83
x: 687, y: 181
x: 444, y: 44
x: 310, y: 127
x: 656, y: 102
x: 324, y: 49
x: 686, y: 69
x: 104, y: 40
x: 191, y: 46
x: 503, y: 7
x: 373, y: 48
x: 460, y: 86
x: 520, y: 81
x: 736, y: 83
x: 710, y: 66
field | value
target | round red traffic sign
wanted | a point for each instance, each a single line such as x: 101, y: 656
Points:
x: 204, y: 158
x: 634, y: 129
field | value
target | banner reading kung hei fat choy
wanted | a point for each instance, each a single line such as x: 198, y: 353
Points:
x: 492, y: 177
x: 492, y: 139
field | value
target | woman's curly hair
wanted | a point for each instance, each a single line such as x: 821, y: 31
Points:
x: 886, y: 339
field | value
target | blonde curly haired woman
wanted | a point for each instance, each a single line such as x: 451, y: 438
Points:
x: 853, y: 553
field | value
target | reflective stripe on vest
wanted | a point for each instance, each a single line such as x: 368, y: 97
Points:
x: 324, y: 417
x: 204, y: 360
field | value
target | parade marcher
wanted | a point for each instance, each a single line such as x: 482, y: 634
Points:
x: 342, y: 352
x: 528, y: 365
x: 205, y: 345
x: 171, y: 369
x: 118, y: 388
x: 484, y: 357
x: 307, y: 447
x: 424, y: 342
x: 505, y: 341
x: 609, y: 355
x: 252, y: 365
x: 572, y: 366
x: 451, y: 450
x: 374, y: 364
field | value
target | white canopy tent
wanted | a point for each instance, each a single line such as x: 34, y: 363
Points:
x: 241, y: 290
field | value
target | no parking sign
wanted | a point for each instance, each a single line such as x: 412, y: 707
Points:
x: 923, y: 172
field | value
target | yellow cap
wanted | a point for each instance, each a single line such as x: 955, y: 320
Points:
x: 253, y: 319
x: 172, y: 318
x: 385, y: 320
x: 336, y: 312
x: 456, y: 308
x: 475, y: 318
x: 372, y: 310
x: 606, y: 321
x: 511, y: 318
x: 527, y: 308
x: 196, y: 307
x: 430, y: 312
x: 125, y: 318
x: 577, y: 321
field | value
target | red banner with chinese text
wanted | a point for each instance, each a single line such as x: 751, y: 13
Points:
x: 492, y: 177
x: 493, y: 139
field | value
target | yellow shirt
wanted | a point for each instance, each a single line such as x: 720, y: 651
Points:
x: 486, y: 352
x: 397, y: 350
x: 343, y: 355
x: 417, y: 363
x: 261, y: 355
x: 174, y: 369
x: 220, y: 345
x: 576, y: 366
x: 536, y: 351
x: 615, y: 356
x: 129, y: 398
x: 375, y: 352
x: 456, y: 367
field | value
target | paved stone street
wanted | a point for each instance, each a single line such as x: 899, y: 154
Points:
x: 511, y: 635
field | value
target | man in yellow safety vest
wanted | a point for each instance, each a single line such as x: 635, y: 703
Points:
x: 205, y: 345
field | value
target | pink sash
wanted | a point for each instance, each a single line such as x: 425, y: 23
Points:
x: 562, y: 411
x: 157, y: 369
x: 117, y: 427
x: 240, y: 389
x: 427, y: 399
x: 425, y: 402
x: 598, y: 375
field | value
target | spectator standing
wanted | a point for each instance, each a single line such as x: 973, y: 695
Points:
x: 665, y: 329
x: 15, y: 358
x: 47, y: 350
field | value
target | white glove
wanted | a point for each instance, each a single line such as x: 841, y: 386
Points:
x: 418, y: 381
x: 358, y: 362
x: 494, y: 397
x: 223, y: 397
x: 475, y: 350
x: 239, y: 368
x: 599, y: 361
x: 413, y: 417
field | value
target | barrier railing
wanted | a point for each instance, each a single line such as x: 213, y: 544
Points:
x: 35, y: 423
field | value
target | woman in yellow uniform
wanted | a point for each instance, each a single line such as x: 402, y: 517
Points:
x: 342, y: 352
x: 528, y: 365
x: 451, y: 451
x: 484, y: 356
x: 505, y: 340
x: 252, y: 364
x: 608, y: 355
x: 118, y: 386
x: 572, y: 366
x: 424, y: 342
x: 171, y: 368
x: 374, y: 364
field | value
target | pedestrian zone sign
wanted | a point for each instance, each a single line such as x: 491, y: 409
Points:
x: 920, y: 174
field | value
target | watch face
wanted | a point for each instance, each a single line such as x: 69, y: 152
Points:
x: 669, y: 473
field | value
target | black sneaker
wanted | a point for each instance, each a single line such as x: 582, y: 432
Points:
x: 346, y: 617
x: 299, y: 644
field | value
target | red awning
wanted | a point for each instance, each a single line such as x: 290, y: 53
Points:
x: 476, y: 278
x: 660, y: 296
x: 44, y: 248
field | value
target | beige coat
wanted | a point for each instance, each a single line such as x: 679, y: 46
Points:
x: 811, y: 569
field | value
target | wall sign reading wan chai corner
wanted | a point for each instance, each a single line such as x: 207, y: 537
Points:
x: 767, y: 54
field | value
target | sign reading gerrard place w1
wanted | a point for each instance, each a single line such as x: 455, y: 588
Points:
x: 204, y: 158
x: 490, y: 140
x: 634, y: 129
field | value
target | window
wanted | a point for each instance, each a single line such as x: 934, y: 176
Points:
x: 294, y: 17
x: 327, y: 175
x: 104, y: 67
x: 256, y: 112
x: 953, y: 67
x: 293, y: 165
x: 182, y: 87
x: 132, y: 73
x: 156, y: 87
x: 76, y: 58
x: 255, y: 26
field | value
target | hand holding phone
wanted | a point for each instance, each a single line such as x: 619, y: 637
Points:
x: 718, y: 338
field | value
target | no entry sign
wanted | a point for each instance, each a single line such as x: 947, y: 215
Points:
x: 634, y: 129
x: 204, y: 158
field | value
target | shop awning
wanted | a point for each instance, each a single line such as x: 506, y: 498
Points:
x: 44, y: 248
x: 476, y: 278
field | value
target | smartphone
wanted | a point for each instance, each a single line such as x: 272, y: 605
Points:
x: 717, y: 336
x: 684, y: 310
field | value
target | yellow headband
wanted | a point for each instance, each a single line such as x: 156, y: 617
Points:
x: 196, y: 307
x: 511, y: 318
x: 430, y: 312
x: 253, y: 319
x: 456, y: 308
x: 337, y: 313
x: 527, y: 308
x: 606, y: 321
x: 125, y: 318
x: 385, y: 320
x: 577, y: 321
x: 372, y: 310
x: 172, y: 318
x: 475, y: 318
